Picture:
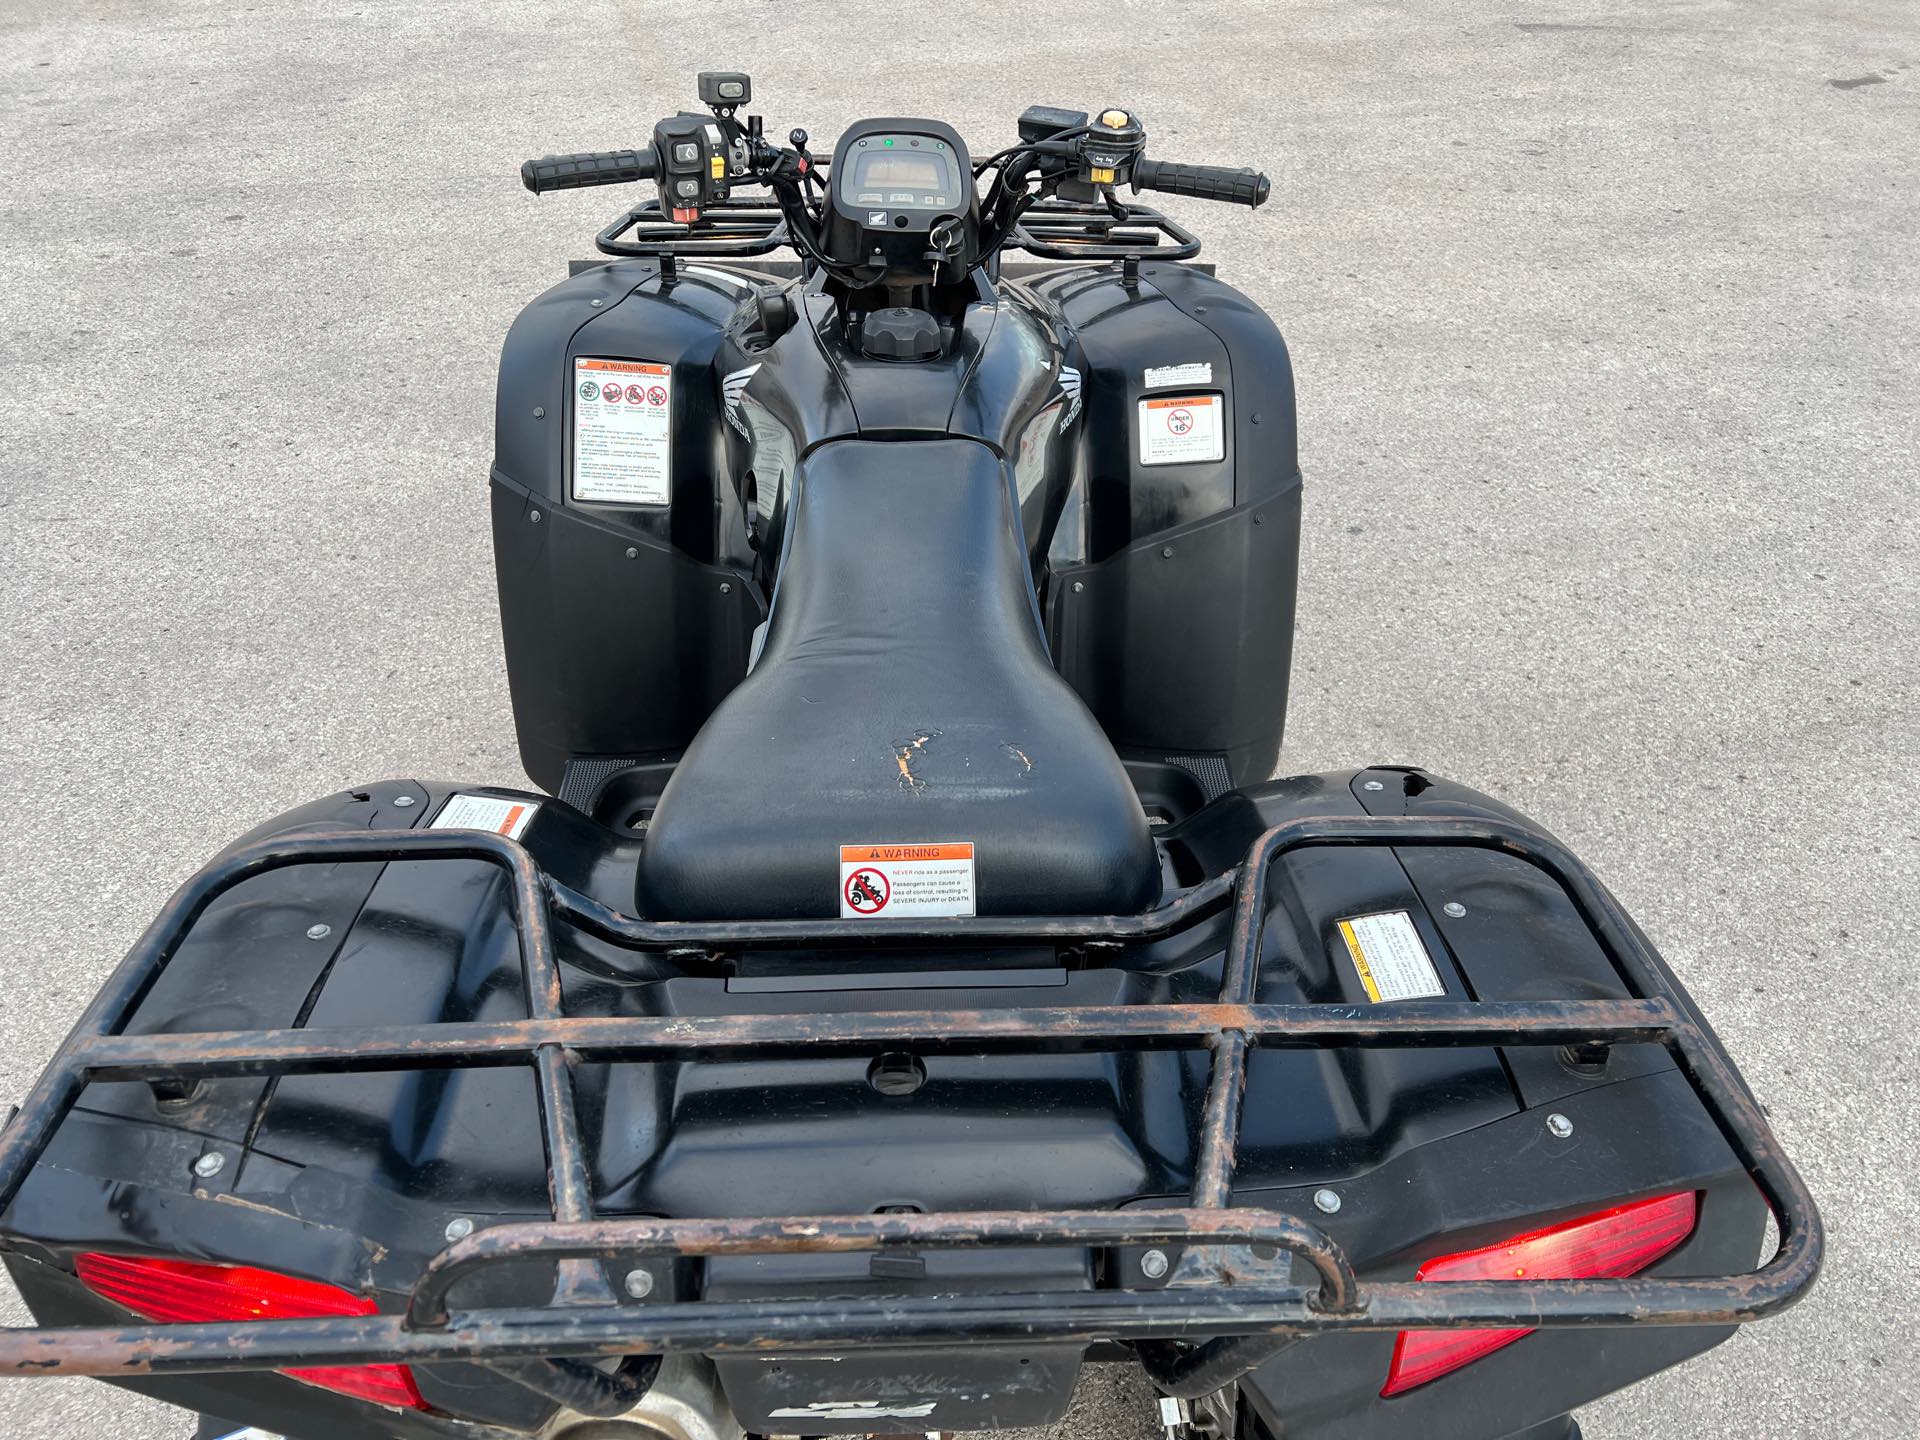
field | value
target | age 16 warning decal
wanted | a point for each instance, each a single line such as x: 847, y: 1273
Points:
x: 909, y: 880
x: 1181, y: 429
x: 622, y: 432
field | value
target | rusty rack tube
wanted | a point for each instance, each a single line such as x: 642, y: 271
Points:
x: 582, y: 1323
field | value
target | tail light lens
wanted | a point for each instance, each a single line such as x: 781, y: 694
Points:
x: 184, y: 1291
x: 1610, y: 1245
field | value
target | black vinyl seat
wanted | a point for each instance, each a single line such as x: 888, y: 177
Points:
x: 903, y: 695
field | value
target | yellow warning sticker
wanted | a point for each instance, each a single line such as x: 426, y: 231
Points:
x: 908, y: 880
x: 1389, y: 958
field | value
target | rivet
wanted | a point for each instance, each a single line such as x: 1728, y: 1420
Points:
x: 1559, y: 1126
x: 1078, y: 586
x: 401, y: 802
x: 1327, y: 1201
x: 1153, y: 1264
x: 1166, y: 552
x: 1454, y: 908
x: 459, y: 1228
x: 638, y: 1284
x: 596, y: 304
x: 1372, y: 785
x: 539, y: 412
x: 632, y: 554
x: 209, y: 1164
x: 726, y: 588
x: 534, y: 516
x: 319, y: 932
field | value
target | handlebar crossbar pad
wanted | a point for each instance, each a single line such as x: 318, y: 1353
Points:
x: 596, y: 167
x: 1202, y: 182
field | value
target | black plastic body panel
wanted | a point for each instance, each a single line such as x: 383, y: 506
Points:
x: 626, y: 625
x: 1171, y: 602
x: 623, y: 625
x: 1646, y: 1138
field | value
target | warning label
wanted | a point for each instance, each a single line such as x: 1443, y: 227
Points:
x: 622, y: 432
x: 1389, y: 958
x: 909, y: 880
x: 497, y: 813
x: 1180, y: 429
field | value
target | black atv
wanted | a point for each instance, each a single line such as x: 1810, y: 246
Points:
x: 910, y: 987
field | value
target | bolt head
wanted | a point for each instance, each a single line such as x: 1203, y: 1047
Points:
x: 1372, y: 785
x: 1327, y: 1202
x: 726, y: 588
x: 596, y: 304
x: 632, y: 553
x: 459, y: 1228
x: 319, y: 932
x: 1153, y: 1264
x: 539, y: 412
x: 1078, y: 586
x: 1559, y: 1126
x: 1454, y: 908
x: 638, y: 1284
x: 209, y: 1164
x: 1166, y: 552
x: 533, y: 516
x: 401, y: 802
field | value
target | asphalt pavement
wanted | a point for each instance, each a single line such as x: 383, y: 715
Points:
x: 1605, y: 320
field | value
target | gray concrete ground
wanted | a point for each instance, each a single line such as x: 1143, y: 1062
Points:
x: 1605, y: 319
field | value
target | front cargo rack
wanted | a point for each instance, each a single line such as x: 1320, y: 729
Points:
x: 1227, y: 1328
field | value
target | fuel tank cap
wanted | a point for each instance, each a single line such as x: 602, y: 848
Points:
x: 900, y: 332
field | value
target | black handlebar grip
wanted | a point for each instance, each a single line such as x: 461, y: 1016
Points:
x: 1202, y: 182
x: 596, y: 167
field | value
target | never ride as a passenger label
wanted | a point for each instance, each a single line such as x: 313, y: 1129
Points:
x: 906, y: 880
x: 1389, y: 958
x: 622, y: 432
x: 486, y: 812
x: 1182, y: 429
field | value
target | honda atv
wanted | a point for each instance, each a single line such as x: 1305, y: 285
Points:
x: 908, y: 987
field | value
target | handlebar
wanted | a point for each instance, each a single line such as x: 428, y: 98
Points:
x: 594, y: 167
x: 1201, y: 182
x: 1064, y: 158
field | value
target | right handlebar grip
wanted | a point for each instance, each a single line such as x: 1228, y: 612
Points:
x: 596, y: 167
x: 1201, y: 182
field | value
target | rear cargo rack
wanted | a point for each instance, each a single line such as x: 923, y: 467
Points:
x: 1231, y: 1326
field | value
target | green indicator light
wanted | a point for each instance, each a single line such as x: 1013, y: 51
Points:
x: 887, y: 143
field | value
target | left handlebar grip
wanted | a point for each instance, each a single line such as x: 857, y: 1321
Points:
x: 595, y: 167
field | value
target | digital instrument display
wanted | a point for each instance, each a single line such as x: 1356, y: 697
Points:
x: 912, y: 172
x: 898, y: 167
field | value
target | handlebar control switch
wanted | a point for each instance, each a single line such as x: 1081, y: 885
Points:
x: 694, y: 162
x: 1113, y: 142
x: 1043, y: 122
x: 724, y: 89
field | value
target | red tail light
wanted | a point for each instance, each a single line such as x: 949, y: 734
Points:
x: 184, y: 1291
x: 1615, y: 1243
